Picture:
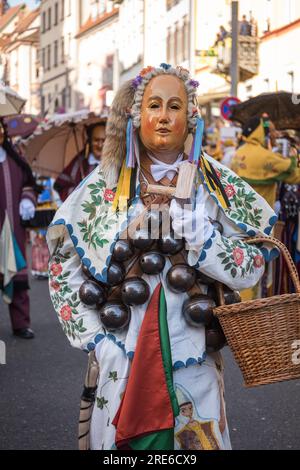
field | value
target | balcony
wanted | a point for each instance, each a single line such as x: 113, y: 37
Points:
x: 247, y: 57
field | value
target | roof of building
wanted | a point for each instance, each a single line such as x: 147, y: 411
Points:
x: 282, y: 30
x: 10, y: 14
x: 93, y: 22
x: 27, y: 20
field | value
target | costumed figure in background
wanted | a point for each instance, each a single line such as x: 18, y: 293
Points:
x: 140, y: 298
x: 264, y: 170
x: 257, y: 164
x: 288, y: 225
x: 17, y: 203
x: 83, y: 164
x: 46, y: 203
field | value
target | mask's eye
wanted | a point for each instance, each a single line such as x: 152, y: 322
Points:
x: 154, y: 106
x: 175, y: 106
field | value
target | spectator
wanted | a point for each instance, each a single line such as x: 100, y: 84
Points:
x: 245, y: 27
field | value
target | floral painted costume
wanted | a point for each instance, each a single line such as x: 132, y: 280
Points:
x: 84, y: 231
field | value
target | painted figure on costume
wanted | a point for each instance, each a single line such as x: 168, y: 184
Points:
x: 144, y: 306
x: 196, y: 433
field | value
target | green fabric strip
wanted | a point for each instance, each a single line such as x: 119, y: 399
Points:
x: 162, y: 440
x: 166, y: 350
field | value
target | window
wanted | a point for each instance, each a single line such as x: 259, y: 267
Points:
x: 43, y: 105
x: 44, y: 22
x: 49, y: 18
x: 186, y: 38
x: 176, y: 44
x: 62, y: 46
x: 55, y: 53
x: 69, y: 45
x: 43, y: 58
x: 169, y: 46
x: 63, y: 98
x: 49, y: 57
x: 179, y: 45
x: 62, y: 10
x: 49, y: 98
x: 102, y: 7
x: 56, y: 14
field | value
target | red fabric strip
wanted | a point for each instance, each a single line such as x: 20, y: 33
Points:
x: 146, y: 405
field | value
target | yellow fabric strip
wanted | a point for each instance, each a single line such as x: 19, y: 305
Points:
x: 123, y: 189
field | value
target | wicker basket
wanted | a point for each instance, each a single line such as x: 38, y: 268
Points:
x: 264, y: 334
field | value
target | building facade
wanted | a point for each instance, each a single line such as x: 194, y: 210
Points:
x: 97, y: 54
x: 19, y: 43
x: 279, y: 34
x: 58, y: 55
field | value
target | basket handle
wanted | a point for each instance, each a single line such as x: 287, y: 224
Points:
x: 286, y: 255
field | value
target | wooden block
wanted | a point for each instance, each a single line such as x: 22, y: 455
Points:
x: 164, y: 190
x: 185, y: 182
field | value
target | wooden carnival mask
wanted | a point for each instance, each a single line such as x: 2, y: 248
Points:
x: 164, y: 126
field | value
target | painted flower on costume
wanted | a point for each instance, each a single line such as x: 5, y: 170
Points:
x: 258, y: 261
x: 243, y: 207
x: 56, y: 269
x: 109, y: 195
x: 66, y: 312
x: 55, y: 285
x: 229, y: 190
x: 99, y: 219
x: 238, y: 256
x: 64, y: 301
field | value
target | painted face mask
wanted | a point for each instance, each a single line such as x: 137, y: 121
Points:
x: 164, y: 115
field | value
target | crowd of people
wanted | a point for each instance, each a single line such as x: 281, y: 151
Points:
x: 245, y: 28
x: 268, y: 160
x: 27, y: 205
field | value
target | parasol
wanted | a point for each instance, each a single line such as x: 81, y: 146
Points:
x: 10, y: 101
x: 22, y: 125
x: 57, y: 141
x: 282, y: 107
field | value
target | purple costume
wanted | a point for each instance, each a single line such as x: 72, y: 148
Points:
x: 15, y: 185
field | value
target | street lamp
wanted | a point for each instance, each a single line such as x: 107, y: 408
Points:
x: 234, y: 69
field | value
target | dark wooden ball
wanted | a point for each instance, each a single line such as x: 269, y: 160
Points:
x: 91, y: 293
x: 181, y: 278
x: 123, y: 250
x: 231, y: 296
x: 169, y: 245
x: 115, y: 274
x: 198, y: 310
x: 135, y: 291
x: 141, y: 239
x: 152, y: 262
x: 214, y: 337
x: 114, y: 315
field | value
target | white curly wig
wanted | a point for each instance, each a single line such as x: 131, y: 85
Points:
x: 127, y: 102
